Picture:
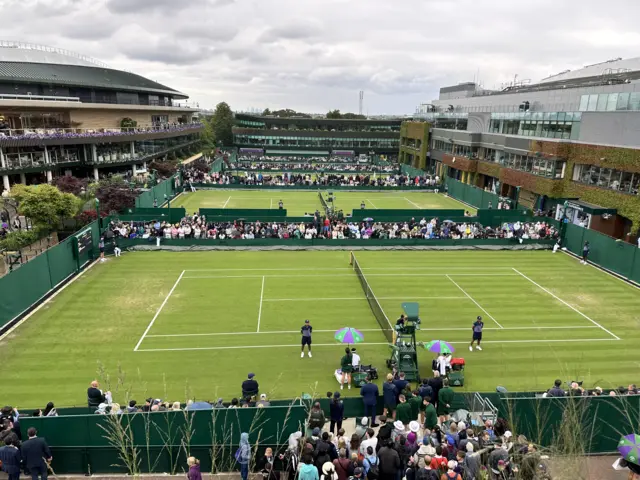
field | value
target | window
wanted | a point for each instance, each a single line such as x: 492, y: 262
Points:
x: 618, y: 180
x: 602, y: 102
x: 634, y: 101
x: 613, y: 102
x: 593, y: 101
x: 623, y: 101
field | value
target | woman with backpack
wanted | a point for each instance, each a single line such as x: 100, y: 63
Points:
x: 370, y: 465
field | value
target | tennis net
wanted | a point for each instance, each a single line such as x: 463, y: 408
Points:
x: 324, y: 203
x: 377, y: 310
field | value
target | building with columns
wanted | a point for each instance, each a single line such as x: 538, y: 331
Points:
x: 65, y: 114
x: 572, y: 137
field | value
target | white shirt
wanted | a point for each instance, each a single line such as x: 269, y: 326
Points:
x: 355, y: 361
x: 369, y: 442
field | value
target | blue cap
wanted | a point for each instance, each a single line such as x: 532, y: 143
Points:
x: 251, y: 375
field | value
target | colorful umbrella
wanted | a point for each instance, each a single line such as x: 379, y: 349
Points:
x: 629, y: 448
x: 439, y: 346
x: 349, y: 335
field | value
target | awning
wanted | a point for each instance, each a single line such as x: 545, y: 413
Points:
x: 590, y: 208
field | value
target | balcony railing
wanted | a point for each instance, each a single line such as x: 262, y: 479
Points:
x: 46, y: 98
x: 66, y: 133
x: 109, y: 101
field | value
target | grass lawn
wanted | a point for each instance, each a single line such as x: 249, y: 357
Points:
x: 203, y: 320
x: 301, y: 202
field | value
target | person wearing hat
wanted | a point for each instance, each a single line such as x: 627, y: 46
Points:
x: 336, y: 412
x: 306, y: 331
x: 329, y: 471
x: 250, y: 386
x: 358, y: 473
x: 263, y: 401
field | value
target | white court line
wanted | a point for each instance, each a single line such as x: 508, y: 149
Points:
x: 225, y: 203
x: 568, y: 305
x: 158, y: 312
x: 414, y: 204
x: 297, y: 345
x: 358, y: 298
x: 372, y: 204
x: 477, y: 304
x: 306, y: 269
x: 369, y: 275
x: 270, y: 203
x: 260, y: 310
x: 279, y: 332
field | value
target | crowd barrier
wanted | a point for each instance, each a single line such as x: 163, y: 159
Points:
x: 34, y: 280
x: 81, y: 444
x: 470, y: 194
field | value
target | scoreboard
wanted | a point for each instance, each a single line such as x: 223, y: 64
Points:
x: 85, y: 240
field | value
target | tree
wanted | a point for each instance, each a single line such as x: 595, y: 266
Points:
x: 70, y: 184
x: 208, y: 136
x: 222, y: 121
x: 353, y: 116
x: 115, y: 195
x: 335, y: 114
x: 266, y: 112
x: 47, y: 206
x: 165, y: 169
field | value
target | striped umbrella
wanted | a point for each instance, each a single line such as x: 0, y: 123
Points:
x: 349, y: 335
x: 629, y: 448
x: 439, y: 346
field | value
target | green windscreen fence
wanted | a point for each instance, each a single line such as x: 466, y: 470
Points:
x: 28, y: 283
x: 244, y: 212
x: 158, y: 194
x: 472, y: 195
x: 615, y: 255
x: 412, y: 171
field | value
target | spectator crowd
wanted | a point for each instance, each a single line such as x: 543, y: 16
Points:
x: 319, y: 227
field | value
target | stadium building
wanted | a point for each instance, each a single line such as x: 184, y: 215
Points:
x: 572, y: 136
x: 316, y: 136
x: 63, y: 113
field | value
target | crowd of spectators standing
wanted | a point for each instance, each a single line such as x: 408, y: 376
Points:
x: 320, y: 227
x: 347, y: 159
x: 318, y: 167
x: 327, y: 179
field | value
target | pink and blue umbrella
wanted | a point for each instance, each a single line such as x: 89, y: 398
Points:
x: 629, y: 448
x: 349, y: 335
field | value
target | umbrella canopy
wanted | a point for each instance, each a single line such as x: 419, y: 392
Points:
x: 629, y: 448
x: 349, y: 335
x: 439, y: 346
x: 368, y: 219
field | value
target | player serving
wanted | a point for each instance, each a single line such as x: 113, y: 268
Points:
x: 306, y: 337
x: 478, y: 325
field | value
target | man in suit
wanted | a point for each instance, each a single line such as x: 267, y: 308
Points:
x: 95, y: 396
x: 34, y: 453
x: 369, y: 393
x: 10, y: 458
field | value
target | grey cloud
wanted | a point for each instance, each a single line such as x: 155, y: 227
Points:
x: 141, y: 6
x: 298, y: 30
x: 165, y: 52
x: 215, y: 32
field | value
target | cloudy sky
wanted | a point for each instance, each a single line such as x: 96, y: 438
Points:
x: 315, y: 55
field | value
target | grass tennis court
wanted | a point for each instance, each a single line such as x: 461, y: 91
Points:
x: 300, y: 202
x: 177, y: 325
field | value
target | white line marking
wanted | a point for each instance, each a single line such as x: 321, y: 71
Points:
x: 477, y: 304
x: 48, y: 300
x: 369, y: 275
x: 602, y: 269
x: 260, y: 310
x: 225, y: 203
x: 414, y: 204
x: 280, y: 332
x: 270, y: 203
x: 297, y: 346
x: 358, y: 298
x: 372, y: 204
x: 306, y: 269
x: 158, y: 312
x: 568, y: 305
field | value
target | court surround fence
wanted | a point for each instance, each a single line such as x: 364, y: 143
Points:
x: 470, y: 194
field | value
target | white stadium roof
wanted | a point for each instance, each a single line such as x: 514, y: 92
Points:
x: 33, y: 53
x: 614, y: 66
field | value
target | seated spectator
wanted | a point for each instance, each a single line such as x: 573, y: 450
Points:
x: 95, y: 396
x: 263, y: 401
x: 250, y: 386
x: 50, y: 410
